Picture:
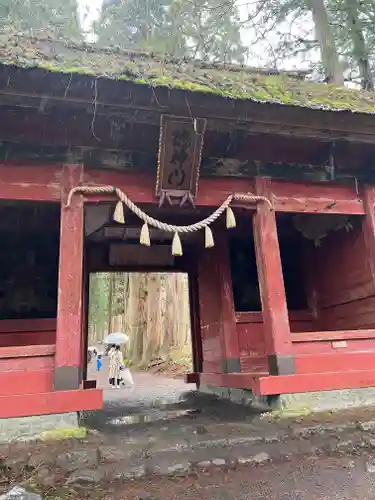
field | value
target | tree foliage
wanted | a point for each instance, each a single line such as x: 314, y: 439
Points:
x: 58, y: 18
x: 208, y: 30
x: 340, y: 31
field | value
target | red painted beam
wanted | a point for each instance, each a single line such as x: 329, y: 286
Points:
x: 27, y: 351
x: 34, y: 183
x: 336, y: 361
x: 257, y: 316
x: 47, y: 403
x: 287, y: 196
x: 141, y: 187
x: 21, y: 364
x: 27, y: 338
x: 316, y: 198
x: 263, y: 384
x: 332, y: 335
x: 27, y: 325
x: 42, y: 183
x: 285, y: 384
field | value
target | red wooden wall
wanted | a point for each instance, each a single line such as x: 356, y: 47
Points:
x: 23, y: 332
x: 340, y: 335
x: 342, y: 289
x: 27, y: 349
x: 209, y: 282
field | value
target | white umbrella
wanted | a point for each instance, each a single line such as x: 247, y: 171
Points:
x: 116, y: 338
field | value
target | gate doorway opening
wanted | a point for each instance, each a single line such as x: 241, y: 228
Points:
x: 153, y: 310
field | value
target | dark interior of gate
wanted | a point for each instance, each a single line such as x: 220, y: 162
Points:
x: 28, y: 295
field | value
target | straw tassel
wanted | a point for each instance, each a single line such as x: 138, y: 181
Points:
x: 145, y: 236
x: 231, y: 220
x: 176, y: 245
x: 118, y: 215
x: 208, y: 238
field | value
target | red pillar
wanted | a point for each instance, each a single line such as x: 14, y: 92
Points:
x: 271, y: 284
x: 217, y: 317
x: 229, y: 337
x: 68, y: 358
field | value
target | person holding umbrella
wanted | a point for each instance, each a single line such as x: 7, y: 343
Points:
x: 116, y: 361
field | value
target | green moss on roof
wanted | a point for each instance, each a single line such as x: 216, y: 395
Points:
x: 149, y: 69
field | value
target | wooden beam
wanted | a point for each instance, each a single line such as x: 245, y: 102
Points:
x: 46, y: 403
x: 322, y: 198
x: 287, y: 196
x: 334, y: 362
x: 27, y: 325
x: 30, y: 183
x: 29, y: 364
x: 312, y: 382
x: 26, y: 351
x: 68, y: 359
x: 332, y: 336
x: 333, y: 198
x: 265, y: 385
x: 271, y: 284
x: 141, y: 187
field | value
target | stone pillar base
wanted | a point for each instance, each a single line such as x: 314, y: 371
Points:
x: 30, y: 428
x: 303, y: 402
x: 242, y: 396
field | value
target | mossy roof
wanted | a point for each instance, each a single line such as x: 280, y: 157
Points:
x: 233, y: 82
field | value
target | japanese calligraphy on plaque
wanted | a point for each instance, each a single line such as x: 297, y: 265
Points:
x: 180, y: 150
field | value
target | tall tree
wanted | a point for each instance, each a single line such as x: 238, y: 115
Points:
x: 58, y: 18
x: 316, y: 34
x: 137, y: 24
x: 351, y: 34
x: 205, y: 29
x: 323, y: 30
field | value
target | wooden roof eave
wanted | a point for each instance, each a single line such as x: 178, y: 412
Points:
x: 145, y: 104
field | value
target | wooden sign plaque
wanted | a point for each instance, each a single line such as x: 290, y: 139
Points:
x: 180, y: 150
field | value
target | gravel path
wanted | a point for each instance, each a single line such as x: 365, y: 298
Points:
x: 148, y: 390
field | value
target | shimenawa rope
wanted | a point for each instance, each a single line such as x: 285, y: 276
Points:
x: 163, y: 226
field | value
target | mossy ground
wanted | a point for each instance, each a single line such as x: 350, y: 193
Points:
x: 64, y: 433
